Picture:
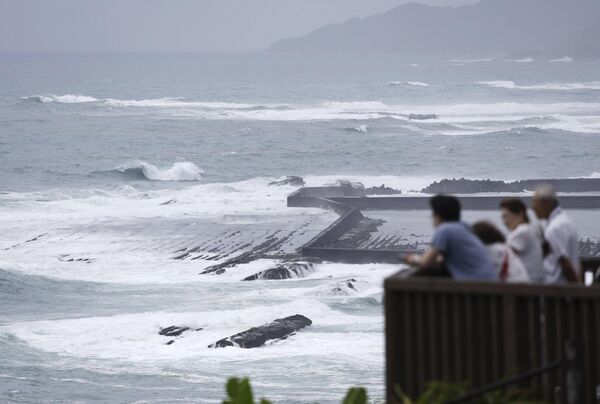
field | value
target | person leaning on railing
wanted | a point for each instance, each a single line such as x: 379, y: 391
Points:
x: 524, y: 238
x: 455, y: 250
x: 561, y: 258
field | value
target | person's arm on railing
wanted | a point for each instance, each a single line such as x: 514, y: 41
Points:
x: 427, y: 260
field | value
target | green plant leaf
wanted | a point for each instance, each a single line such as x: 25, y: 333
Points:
x: 239, y: 391
x: 356, y: 395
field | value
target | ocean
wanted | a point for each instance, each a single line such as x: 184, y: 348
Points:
x: 112, y: 164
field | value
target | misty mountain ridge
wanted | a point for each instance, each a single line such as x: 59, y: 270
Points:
x: 490, y: 27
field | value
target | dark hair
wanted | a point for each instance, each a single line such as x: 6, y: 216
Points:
x: 488, y: 233
x: 515, y: 206
x: 446, y: 207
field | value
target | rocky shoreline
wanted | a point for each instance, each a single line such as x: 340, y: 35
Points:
x: 468, y: 186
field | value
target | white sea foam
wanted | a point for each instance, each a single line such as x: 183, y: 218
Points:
x: 564, y: 59
x: 134, y: 337
x: 129, y: 236
x: 62, y: 99
x: 178, y: 102
x: 471, y: 60
x: 452, y: 119
x: 590, y: 85
x: 408, y: 83
x: 523, y: 60
x: 180, y: 171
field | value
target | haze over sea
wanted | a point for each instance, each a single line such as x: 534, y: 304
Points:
x: 112, y: 163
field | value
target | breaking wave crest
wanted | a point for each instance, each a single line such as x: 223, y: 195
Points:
x: 408, y: 83
x: 446, y: 119
x: 508, y: 84
x: 61, y: 99
x: 180, y: 171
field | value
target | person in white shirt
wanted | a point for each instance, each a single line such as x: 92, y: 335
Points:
x: 561, y: 262
x: 508, y: 266
x: 525, y: 238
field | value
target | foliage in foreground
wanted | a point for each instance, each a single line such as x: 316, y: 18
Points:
x: 239, y: 391
x: 440, y: 392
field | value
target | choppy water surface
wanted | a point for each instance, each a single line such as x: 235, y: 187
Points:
x: 113, y: 164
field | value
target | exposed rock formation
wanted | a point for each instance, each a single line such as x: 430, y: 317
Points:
x: 285, y: 270
x: 175, y: 331
x: 257, y: 336
x: 345, y: 287
x: 382, y: 190
x: 290, y: 180
x: 466, y: 186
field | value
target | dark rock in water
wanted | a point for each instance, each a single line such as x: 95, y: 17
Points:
x: 173, y: 331
x: 291, y: 180
x: 466, y: 186
x: 272, y: 244
x: 344, y: 286
x: 356, y: 187
x: 285, y: 270
x: 257, y: 336
x: 64, y: 258
x: 422, y: 117
x: 382, y: 190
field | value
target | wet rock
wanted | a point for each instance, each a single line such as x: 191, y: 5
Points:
x: 467, y: 186
x: 258, y: 336
x: 382, y: 190
x: 354, y: 188
x: 65, y: 258
x: 463, y: 185
x: 270, y: 246
x: 290, y: 180
x: 344, y: 287
x: 173, y: 331
x: 285, y: 270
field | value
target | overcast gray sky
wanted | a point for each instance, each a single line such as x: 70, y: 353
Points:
x: 172, y: 25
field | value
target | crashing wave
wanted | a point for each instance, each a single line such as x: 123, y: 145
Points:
x: 592, y: 85
x: 62, y: 99
x: 180, y: 171
x: 408, y: 83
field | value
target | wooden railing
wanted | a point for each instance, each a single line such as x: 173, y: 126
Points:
x: 480, y: 333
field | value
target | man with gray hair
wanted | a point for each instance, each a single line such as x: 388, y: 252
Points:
x: 561, y: 260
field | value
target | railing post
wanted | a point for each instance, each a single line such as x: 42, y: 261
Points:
x: 574, y: 371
